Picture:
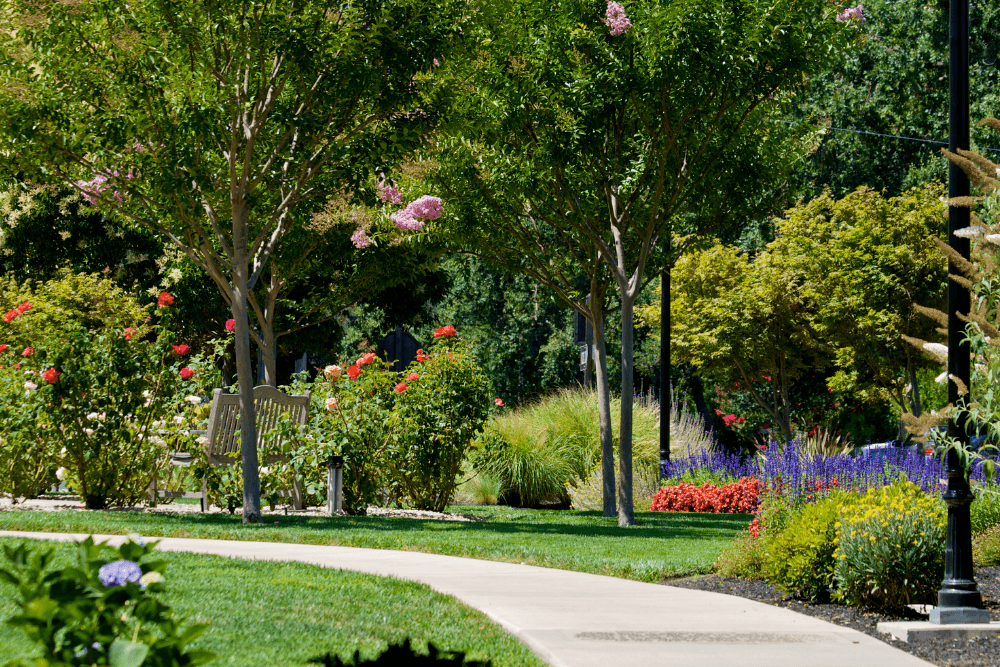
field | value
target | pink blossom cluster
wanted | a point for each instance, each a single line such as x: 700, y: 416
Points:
x: 413, y: 216
x: 360, y: 239
x: 616, y: 20
x: 387, y: 192
x: 93, y: 188
x: 852, y: 13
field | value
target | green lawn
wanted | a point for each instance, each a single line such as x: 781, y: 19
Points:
x: 265, y: 614
x: 662, y: 544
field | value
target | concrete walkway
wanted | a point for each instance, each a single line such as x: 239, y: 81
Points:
x: 571, y: 619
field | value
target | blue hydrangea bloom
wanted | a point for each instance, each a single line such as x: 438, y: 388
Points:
x: 119, y: 572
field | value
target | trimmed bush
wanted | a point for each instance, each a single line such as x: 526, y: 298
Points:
x: 891, y: 549
x: 800, y: 558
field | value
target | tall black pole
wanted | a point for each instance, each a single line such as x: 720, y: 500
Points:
x: 665, y: 360
x: 959, y: 600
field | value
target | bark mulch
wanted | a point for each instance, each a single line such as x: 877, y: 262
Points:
x: 944, y: 652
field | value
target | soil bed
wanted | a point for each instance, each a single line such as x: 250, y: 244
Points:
x: 944, y: 652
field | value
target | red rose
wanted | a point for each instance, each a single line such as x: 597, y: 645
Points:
x: 230, y: 325
x: 3, y: 347
x: 51, y: 376
x: 180, y: 350
x: 128, y: 333
x: 9, y: 316
x: 718, y: 412
x: 421, y: 357
x: 445, y: 331
x: 365, y: 359
x: 28, y: 351
x: 740, y: 420
x: 498, y: 402
x: 164, y: 300
x: 412, y: 377
x: 22, y: 307
x: 400, y: 388
x: 353, y: 371
x: 186, y: 373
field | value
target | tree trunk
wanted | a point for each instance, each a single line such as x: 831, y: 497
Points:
x: 603, y: 404
x: 269, y: 351
x: 626, y: 512
x: 244, y: 376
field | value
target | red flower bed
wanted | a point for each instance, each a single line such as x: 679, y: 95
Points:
x: 740, y: 497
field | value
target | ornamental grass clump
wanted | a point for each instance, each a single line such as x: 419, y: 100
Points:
x: 891, y: 548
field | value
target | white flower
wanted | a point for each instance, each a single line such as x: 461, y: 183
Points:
x: 88, y: 431
x: 160, y: 442
x: 331, y: 403
x: 265, y: 470
x: 159, y: 424
x: 61, y: 474
x: 62, y: 451
x: 969, y: 232
x: 937, y: 349
x: 193, y: 400
x: 150, y: 578
x: 29, y: 372
x: 29, y: 387
x: 92, y: 416
x: 179, y: 419
x: 145, y: 393
x: 201, y: 440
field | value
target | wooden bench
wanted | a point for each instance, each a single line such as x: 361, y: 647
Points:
x: 270, y: 406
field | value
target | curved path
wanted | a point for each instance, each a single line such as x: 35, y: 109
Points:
x: 571, y: 619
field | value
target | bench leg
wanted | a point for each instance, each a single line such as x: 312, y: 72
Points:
x: 204, y: 496
x: 152, y: 493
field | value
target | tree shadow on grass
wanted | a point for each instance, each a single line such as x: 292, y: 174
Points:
x: 651, y: 525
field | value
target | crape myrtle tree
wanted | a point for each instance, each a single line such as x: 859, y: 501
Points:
x: 607, y: 129
x: 220, y: 124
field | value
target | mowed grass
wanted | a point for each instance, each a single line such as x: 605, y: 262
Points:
x: 663, y: 544
x: 271, y: 614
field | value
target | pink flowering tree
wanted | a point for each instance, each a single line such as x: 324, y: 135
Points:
x: 222, y: 126
x: 599, y: 131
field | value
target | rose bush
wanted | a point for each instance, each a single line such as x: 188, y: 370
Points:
x: 402, y: 435
x: 93, y: 398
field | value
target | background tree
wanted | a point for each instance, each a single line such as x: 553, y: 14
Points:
x: 746, y: 324
x: 220, y: 126
x: 892, y: 81
x: 866, y: 260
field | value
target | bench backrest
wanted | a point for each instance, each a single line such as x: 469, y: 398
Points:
x: 269, y: 406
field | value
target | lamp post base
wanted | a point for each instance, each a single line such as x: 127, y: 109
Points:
x: 956, y: 615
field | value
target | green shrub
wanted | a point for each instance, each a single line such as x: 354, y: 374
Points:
x: 746, y: 557
x: 891, y: 548
x: 528, y: 471
x: 103, y: 611
x: 986, y: 546
x: 985, y: 509
x: 800, y: 557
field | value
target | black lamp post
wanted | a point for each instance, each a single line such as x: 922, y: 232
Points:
x: 959, y: 600
x: 665, y: 361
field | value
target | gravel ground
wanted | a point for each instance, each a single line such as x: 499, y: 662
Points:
x: 944, y: 652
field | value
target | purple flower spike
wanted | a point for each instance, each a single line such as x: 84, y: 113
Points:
x: 118, y: 573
